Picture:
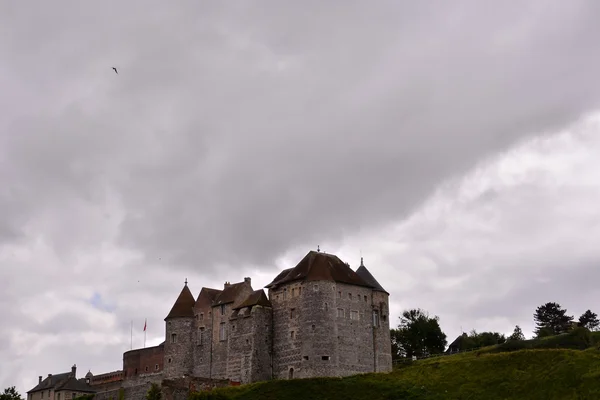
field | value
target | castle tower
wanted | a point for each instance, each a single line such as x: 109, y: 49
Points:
x: 382, y: 348
x: 322, y: 313
x: 179, y: 345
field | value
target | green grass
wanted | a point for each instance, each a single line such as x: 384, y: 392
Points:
x: 540, y: 371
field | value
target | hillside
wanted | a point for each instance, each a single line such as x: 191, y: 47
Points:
x: 523, y: 374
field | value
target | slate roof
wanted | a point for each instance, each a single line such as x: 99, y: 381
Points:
x: 184, y: 305
x: 75, y: 385
x: 366, y: 276
x: 256, y: 298
x: 229, y: 294
x: 51, y: 381
x: 318, y: 266
x: 206, y: 297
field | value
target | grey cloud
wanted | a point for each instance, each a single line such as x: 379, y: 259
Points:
x: 236, y: 134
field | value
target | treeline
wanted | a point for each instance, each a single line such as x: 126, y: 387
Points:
x: 420, y: 335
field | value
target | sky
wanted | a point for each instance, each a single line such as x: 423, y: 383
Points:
x: 451, y: 144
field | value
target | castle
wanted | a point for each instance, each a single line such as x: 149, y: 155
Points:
x: 319, y: 319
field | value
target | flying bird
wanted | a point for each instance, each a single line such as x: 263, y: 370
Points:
x: 115, y: 71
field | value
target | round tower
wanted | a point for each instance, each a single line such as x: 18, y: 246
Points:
x: 179, y: 334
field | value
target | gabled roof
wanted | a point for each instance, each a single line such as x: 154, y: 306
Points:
x: 318, y: 266
x: 76, y: 385
x: 184, y: 305
x: 366, y: 276
x: 51, y: 381
x: 229, y: 294
x: 256, y: 298
x: 206, y: 298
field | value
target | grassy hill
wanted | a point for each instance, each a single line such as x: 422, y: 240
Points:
x: 541, y: 371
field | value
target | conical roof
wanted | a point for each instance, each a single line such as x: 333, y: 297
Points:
x: 184, y: 305
x: 366, y: 276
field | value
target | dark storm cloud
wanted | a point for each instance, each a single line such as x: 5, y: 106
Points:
x: 244, y: 131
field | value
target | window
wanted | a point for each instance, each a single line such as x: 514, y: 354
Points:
x: 222, y: 335
x: 325, y: 358
x: 201, y: 335
x: 354, y: 315
x: 173, y: 338
x: 201, y: 316
x: 340, y: 313
x: 284, y: 294
x: 349, y: 296
x: 222, y: 309
x: 146, y: 368
x: 233, y: 327
x: 42, y: 395
x: 277, y: 297
x: 305, y: 358
x: 292, y: 312
x: 299, y: 291
x: 339, y: 295
x: 156, y: 367
x: 292, y: 334
x: 375, y: 318
x: 326, y: 307
x: 58, y: 395
x: 315, y: 288
x: 365, y: 299
x: 169, y: 361
x: 313, y: 328
x: 293, y: 292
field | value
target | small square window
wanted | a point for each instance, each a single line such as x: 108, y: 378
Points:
x: 292, y: 334
x: 147, y: 369
x: 354, y: 315
x: 325, y: 358
x: 305, y: 358
x: 173, y: 338
x: 349, y: 296
x: 340, y: 313
x: 292, y: 313
x: 365, y: 299
x: 156, y: 367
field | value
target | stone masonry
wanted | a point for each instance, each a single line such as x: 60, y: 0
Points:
x: 320, y: 319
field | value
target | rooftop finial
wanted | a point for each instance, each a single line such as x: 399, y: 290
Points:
x: 185, y: 281
x: 361, y: 262
x: 318, y: 249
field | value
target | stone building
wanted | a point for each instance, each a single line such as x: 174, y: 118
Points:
x: 319, y: 319
x: 64, y: 386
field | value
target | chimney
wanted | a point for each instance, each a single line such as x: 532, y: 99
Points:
x: 74, y: 370
x: 248, y: 280
x: 226, y: 285
x: 50, y: 379
x: 40, y: 381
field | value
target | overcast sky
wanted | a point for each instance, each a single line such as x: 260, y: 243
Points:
x: 455, y: 144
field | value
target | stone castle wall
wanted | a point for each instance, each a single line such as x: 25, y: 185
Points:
x: 143, y: 361
x: 179, y: 347
x: 383, y: 348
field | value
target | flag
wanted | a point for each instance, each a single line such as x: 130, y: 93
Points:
x: 144, y: 325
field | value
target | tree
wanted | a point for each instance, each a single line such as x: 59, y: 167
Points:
x: 551, y: 318
x: 418, y: 335
x: 10, y: 394
x: 517, y: 334
x: 154, y: 392
x: 397, y: 351
x: 589, y: 320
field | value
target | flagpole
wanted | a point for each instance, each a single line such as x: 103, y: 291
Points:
x: 131, y: 335
x: 145, y: 322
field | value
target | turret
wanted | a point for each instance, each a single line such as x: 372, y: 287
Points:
x: 179, y: 326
